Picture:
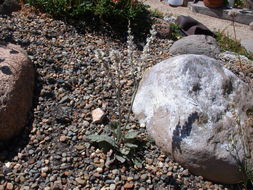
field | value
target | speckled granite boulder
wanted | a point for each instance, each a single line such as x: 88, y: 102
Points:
x: 16, y: 90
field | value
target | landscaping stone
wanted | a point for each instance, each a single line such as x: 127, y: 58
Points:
x: 97, y: 115
x: 191, y: 105
x: 251, y: 26
x: 162, y: 28
x: 196, y: 44
x: 248, y: 45
x: 16, y: 90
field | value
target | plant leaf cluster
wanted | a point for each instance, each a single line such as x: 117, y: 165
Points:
x: 227, y: 44
x: 125, y: 146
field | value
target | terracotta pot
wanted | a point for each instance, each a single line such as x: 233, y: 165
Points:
x: 214, y: 3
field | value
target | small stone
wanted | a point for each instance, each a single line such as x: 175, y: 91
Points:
x: 25, y: 188
x: 144, y: 177
x: 130, y: 178
x: 22, y: 179
x: 79, y: 147
x: 115, y: 171
x: 93, y: 155
x: 97, y: 115
x: 251, y: 26
x: 9, y: 186
x: 52, y: 178
x: 128, y: 185
x: 80, y: 181
x: 43, y: 174
x: 112, y: 187
x: 63, y: 138
x: 44, y: 170
x: 169, y: 174
x: 99, y: 170
x: 86, y: 123
x: 185, y: 173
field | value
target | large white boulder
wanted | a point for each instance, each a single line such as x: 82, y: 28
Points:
x: 189, y: 105
x: 16, y: 90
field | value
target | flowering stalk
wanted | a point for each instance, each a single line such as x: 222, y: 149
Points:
x: 233, y: 14
x: 138, y: 69
x: 116, y: 57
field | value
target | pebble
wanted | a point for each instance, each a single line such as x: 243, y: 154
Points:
x: 44, y: 170
x: 99, y: 170
x: 185, y: 173
x: 128, y: 185
x: 97, y: 115
x: 251, y: 25
x: 9, y: 186
x: 112, y: 187
x: 63, y: 138
x: 80, y: 181
x: 144, y: 177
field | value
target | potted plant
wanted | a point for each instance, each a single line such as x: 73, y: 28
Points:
x: 214, y: 3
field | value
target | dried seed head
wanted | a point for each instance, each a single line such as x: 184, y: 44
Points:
x: 232, y: 13
x: 100, y: 55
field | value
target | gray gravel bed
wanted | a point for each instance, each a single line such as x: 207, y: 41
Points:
x: 53, y: 152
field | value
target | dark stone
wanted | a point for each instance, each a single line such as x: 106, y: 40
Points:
x: 9, y: 6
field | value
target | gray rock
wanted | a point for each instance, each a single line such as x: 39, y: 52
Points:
x: 248, y: 45
x: 16, y: 90
x: 187, y: 103
x: 196, y: 44
x: 251, y: 26
x: 163, y: 28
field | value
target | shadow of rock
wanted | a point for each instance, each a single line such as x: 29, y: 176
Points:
x: 182, y: 132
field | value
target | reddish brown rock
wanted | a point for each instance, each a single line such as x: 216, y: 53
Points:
x: 163, y: 28
x: 16, y: 90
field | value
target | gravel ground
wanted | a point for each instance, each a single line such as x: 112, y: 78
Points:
x: 53, y: 152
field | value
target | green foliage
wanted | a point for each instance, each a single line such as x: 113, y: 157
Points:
x: 239, y: 4
x: 228, y: 44
x: 156, y: 13
x: 115, y: 12
x: 124, y: 146
x: 175, y: 32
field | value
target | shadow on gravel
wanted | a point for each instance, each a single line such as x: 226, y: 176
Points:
x: 118, y: 33
x: 10, y: 148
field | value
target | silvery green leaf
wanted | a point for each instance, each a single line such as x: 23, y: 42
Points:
x: 130, y: 145
x: 114, y: 125
x: 131, y: 134
x: 125, y: 151
x: 120, y: 158
x: 102, y: 138
x: 137, y: 162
